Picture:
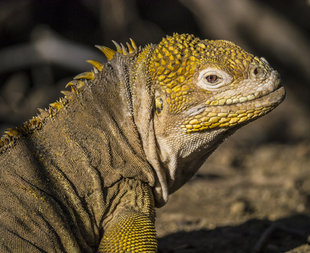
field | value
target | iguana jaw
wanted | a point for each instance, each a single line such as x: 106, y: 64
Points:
x: 207, y: 117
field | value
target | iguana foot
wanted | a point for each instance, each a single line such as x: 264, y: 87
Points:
x: 130, y: 231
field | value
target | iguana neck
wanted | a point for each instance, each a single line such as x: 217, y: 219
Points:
x: 96, y: 129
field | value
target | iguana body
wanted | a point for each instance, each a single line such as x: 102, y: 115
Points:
x: 87, y: 173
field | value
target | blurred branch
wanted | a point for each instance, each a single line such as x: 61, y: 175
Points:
x: 9, y: 10
x: 120, y: 20
x: 47, y: 47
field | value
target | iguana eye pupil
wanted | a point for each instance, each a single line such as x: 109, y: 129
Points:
x: 211, y: 78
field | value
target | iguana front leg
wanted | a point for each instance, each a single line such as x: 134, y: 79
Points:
x: 130, y: 232
x: 132, y: 227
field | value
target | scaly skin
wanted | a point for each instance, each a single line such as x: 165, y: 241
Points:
x: 86, y: 174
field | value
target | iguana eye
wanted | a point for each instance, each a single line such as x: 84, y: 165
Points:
x: 213, y: 78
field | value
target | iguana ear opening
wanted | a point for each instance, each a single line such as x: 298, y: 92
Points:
x: 159, y: 105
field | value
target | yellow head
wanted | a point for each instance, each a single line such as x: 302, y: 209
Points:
x: 212, y: 80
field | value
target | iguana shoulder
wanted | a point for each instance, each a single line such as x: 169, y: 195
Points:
x: 128, y: 133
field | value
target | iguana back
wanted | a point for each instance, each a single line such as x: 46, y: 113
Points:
x: 86, y: 173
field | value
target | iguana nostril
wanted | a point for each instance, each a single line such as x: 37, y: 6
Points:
x: 257, y: 72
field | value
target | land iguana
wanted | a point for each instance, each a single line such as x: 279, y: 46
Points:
x: 85, y: 174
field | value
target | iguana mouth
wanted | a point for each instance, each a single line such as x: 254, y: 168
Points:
x: 269, y: 99
x: 274, y: 97
x: 229, y: 115
x: 278, y: 93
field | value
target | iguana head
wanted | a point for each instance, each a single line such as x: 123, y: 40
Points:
x: 204, y: 90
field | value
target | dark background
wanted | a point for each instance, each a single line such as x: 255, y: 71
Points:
x: 43, y: 44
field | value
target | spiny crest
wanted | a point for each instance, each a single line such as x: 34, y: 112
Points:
x: 75, y: 85
x: 97, y: 65
x: 120, y: 48
x: 57, y: 106
x: 9, y: 137
x: 85, y: 75
x: 108, y: 52
x: 79, y: 80
x: 12, y: 134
